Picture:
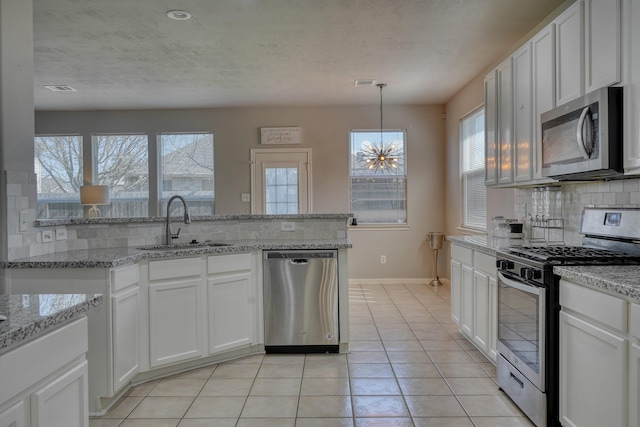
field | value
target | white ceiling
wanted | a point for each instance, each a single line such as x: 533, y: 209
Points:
x: 122, y: 54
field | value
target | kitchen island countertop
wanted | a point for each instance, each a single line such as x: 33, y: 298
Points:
x: 29, y: 316
x: 116, y: 257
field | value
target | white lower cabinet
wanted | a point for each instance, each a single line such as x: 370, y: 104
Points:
x: 230, y: 312
x: 474, y: 291
x: 175, y: 322
x: 44, y: 383
x: 125, y: 326
x: 62, y: 402
x: 14, y: 416
x: 592, y: 374
x: 634, y: 385
x: 594, y: 359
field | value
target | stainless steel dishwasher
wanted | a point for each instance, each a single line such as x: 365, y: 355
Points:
x: 301, y: 301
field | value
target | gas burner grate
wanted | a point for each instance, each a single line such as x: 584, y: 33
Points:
x: 569, y: 253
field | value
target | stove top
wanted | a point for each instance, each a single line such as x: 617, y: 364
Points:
x: 573, y: 255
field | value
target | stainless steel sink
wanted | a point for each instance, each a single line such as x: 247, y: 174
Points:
x: 183, y: 246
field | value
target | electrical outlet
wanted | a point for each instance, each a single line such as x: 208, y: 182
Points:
x: 245, y: 197
x: 61, y: 234
x: 383, y: 259
x: 288, y: 226
x: 47, y: 236
x: 24, y: 221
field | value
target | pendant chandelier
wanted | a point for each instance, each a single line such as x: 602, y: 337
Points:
x: 381, y: 157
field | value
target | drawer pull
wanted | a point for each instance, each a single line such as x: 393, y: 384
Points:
x: 516, y: 379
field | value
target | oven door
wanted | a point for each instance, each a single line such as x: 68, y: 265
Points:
x: 521, y: 326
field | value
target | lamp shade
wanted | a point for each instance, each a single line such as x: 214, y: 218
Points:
x: 94, y: 195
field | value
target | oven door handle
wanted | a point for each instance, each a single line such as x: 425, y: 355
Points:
x: 519, y: 285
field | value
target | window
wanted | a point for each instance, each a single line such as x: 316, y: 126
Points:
x: 281, y: 190
x: 378, y: 177
x: 474, y: 192
x: 122, y: 163
x: 187, y: 169
x: 58, y: 167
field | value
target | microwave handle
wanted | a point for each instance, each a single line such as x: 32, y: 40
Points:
x: 579, y: 135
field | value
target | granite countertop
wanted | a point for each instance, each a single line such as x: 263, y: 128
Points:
x: 484, y: 244
x: 116, y: 257
x: 621, y: 280
x: 31, y: 315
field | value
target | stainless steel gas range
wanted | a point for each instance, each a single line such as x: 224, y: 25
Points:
x: 528, y: 306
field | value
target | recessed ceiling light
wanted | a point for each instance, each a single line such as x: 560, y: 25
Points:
x: 60, y: 88
x: 179, y: 15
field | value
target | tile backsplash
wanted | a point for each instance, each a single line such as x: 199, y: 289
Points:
x: 578, y: 195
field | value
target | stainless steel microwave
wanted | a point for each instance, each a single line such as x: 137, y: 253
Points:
x: 582, y: 139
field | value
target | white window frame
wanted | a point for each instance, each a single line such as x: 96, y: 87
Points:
x: 478, y: 173
x: 386, y: 225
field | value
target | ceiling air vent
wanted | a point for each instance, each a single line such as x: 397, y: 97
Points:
x: 364, y: 82
x: 60, y: 88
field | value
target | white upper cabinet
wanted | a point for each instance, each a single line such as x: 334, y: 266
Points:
x: 570, y: 53
x: 632, y: 88
x: 522, y: 115
x: 543, y: 48
x: 602, y: 43
x: 491, y: 129
x: 505, y: 122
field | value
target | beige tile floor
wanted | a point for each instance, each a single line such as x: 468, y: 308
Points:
x: 408, y: 367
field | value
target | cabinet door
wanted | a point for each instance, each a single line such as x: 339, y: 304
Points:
x: 603, y: 21
x: 634, y: 385
x: 63, y: 402
x: 456, y: 303
x: 505, y: 122
x: 14, y: 416
x: 175, y: 322
x: 632, y: 90
x: 569, y: 54
x: 522, y: 116
x: 125, y: 325
x: 481, y: 330
x: 491, y: 129
x: 544, y: 87
x: 466, y: 319
x: 493, y: 319
x: 231, y: 309
x: 593, y: 370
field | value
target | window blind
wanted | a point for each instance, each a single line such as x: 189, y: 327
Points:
x: 474, y: 192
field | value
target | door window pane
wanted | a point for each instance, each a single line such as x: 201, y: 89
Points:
x: 187, y: 169
x: 58, y: 167
x: 122, y: 163
x: 281, y: 190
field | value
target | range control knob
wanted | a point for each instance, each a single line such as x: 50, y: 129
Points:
x: 530, y: 273
x: 504, y: 264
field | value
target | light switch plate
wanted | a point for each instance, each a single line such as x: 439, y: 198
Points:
x: 47, y: 236
x: 246, y: 197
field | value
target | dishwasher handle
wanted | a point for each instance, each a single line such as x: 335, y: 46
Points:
x: 299, y: 261
x: 299, y: 255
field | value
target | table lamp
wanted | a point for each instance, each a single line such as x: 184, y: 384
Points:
x: 94, y: 195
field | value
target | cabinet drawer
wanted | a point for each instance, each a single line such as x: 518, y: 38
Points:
x: 226, y: 263
x: 484, y: 262
x: 124, y: 277
x: 604, y: 308
x: 171, y: 268
x: 464, y: 255
x: 634, y: 320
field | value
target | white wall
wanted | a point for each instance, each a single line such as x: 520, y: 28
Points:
x: 326, y: 131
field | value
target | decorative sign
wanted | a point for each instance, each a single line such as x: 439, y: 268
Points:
x: 283, y: 135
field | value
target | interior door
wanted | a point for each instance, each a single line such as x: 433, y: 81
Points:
x: 281, y: 181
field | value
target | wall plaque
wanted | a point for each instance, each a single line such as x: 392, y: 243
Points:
x: 281, y: 135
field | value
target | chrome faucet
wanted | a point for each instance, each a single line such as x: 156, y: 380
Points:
x: 187, y: 218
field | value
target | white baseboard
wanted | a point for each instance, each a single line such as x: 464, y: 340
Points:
x: 402, y: 281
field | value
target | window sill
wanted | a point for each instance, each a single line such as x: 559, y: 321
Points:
x: 471, y: 231
x: 380, y: 227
